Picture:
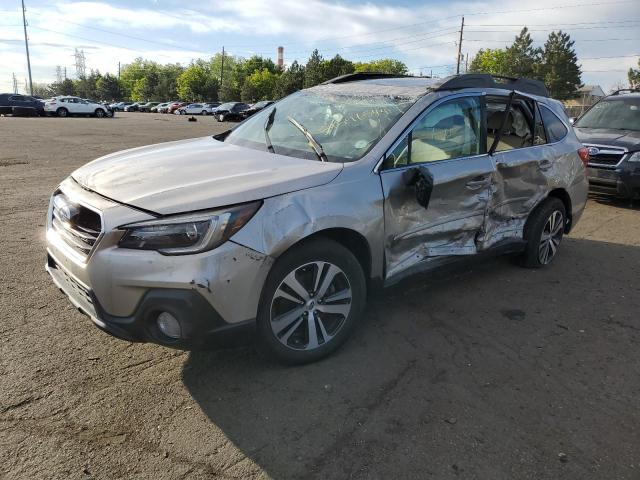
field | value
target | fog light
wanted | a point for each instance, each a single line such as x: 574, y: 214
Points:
x: 169, y: 325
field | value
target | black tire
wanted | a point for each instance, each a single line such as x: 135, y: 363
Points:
x: 541, y: 221
x: 99, y: 112
x: 302, y: 257
x: 183, y: 112
x: 203, y: 112
x: 62, y: 112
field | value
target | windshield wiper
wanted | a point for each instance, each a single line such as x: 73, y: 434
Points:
x: 267, y: 126
x: 312, y: 141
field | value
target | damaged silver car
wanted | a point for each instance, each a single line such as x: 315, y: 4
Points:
x: 282, y: 225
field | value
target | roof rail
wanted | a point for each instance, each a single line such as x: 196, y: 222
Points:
x: 484, y: 80
x: 358, y: 76
x: 629, y: 90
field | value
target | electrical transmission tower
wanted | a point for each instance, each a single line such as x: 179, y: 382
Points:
x: 81, y: 64
x: 15, y: 83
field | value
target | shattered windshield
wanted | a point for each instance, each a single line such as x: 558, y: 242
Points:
x: 346, y: 124
x: 616, y: 114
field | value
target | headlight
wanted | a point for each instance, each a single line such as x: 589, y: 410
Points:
x: 189, y: 233
x: 635, y: 157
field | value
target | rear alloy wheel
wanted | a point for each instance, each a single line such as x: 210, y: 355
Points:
x: 543, y: 233
x: 183, y: 112
x: 99, y: 113
x: 311, y: 301
x: 62, y: 112
x: 204, y: 112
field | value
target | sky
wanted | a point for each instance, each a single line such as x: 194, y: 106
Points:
x: 423, y: 34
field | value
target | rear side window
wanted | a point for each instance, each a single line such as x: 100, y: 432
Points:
x: 556, y: 130
x: 516, y: 124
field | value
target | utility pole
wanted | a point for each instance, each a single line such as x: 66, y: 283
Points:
x: 15, y: 83
x: 222, y: 67
x: 118, y: 70
x: 26, y: 44
x: 460, y: 47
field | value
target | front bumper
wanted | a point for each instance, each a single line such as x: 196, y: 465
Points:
x: 623, y: 181
x: 214, y: 295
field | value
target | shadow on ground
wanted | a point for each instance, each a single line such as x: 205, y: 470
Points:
x: 487, y: 371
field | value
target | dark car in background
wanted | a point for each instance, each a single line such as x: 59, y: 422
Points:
x: 255, y: 108
x: 132, y: 107
x: 16, y: 104
x: 120, y: 106
x: 611, y: 131
x: 146, y: 107
x: 230, y: 111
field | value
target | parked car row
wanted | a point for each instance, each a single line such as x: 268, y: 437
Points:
x: 229, y: 111
x: 22, y: 105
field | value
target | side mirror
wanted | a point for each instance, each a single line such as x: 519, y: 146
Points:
x: 572, y: 120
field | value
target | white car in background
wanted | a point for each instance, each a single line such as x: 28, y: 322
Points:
x: 194, y: 109
x: 63, y: 106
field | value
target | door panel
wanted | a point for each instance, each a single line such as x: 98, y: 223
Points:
x: 521, y: 176
x: 448, y: 224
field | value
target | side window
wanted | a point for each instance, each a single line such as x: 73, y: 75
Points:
x: 516, y: 124
x: 450, y: 130
x: 556, y: 130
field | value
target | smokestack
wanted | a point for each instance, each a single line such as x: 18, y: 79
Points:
x: 280, y: 58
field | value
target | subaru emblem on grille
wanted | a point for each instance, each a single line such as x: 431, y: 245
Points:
x: 593, y: 151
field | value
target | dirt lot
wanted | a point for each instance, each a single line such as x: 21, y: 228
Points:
x: 487, y: 372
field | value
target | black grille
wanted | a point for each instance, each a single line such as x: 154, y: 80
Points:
x: 607, y: 157
x: 76, y: 224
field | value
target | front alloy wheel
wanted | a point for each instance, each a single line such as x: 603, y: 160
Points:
x: 311, y: 301
x: 310, y: 306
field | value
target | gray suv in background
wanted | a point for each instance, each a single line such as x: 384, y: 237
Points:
x: 283, y: 224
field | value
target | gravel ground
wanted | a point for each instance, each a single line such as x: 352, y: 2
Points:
x: 488, y: 371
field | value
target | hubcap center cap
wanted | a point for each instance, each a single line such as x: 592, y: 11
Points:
x: 311, y: 304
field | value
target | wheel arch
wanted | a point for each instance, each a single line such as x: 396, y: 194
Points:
x: 562, y: 195
x: 352, y: 240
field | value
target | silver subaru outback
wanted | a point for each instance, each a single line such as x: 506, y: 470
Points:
x: 282, y: 225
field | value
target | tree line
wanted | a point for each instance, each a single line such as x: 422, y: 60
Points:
x: 247, y: 79
x: 556, y: 63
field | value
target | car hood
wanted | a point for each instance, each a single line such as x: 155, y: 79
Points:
x: 629, y: 139
x: 198, y: 174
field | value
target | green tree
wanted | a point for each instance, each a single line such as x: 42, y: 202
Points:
x: 85, y: 87
x: 42, y: 90
x: 336, y: 67
x: 166, y: 88
x: 522, y: 59
x: 313, y: 71
x: 108, y: 88
x: 492, y: 61
x: 139, y: 80
x: 289, y: 81
x: 197, y: 83
x: 260, y: 85
x: 559, y: 69
x: 228, y: 90
x: 384, y: 65
x: 64, y: 87
x: 634, y: 76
